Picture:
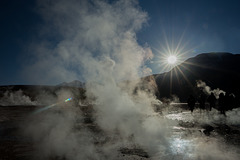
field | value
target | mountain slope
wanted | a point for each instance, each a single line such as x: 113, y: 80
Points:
x: 74, y: 83
x: 218, y: 70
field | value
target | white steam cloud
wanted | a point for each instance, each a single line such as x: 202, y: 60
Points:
x: 96, y: 41
x: 16, y: 98
x: 84, y: 34
x: 207, y: 90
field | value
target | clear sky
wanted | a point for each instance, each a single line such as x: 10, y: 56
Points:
x: 187, y: 26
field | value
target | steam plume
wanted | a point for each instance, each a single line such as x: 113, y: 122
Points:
x: 16, y: 98
x: 207, y: 90
x: 96, y: 41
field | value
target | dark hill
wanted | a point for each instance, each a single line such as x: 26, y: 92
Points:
x: 218, y: 70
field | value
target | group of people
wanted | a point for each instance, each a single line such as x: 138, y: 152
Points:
x: 223, y: 103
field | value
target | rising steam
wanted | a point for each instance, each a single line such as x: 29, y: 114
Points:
x: 16, y: 98
x: 207, y: 90
x: 96, y: 41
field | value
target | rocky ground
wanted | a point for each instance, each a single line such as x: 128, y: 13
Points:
x: 201, y: 135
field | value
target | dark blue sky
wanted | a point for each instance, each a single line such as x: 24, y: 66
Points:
x: 198, y: 26
x: 207, y: 25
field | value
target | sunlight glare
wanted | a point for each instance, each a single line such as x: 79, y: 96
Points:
x: 172, y: 59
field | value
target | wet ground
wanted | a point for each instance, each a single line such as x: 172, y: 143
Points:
x: 205, y: 134
x: 198, y: 135
x: 13, y: 144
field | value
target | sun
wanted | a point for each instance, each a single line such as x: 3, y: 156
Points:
x: 171, y: 54
x: 172, y: 59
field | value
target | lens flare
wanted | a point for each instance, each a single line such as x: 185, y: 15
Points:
x: 50, y: 106
x: 69, y: 99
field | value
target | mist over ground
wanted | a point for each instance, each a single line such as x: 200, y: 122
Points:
x: 96, y: 42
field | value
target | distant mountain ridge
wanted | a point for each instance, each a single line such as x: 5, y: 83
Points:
x: 218, y: 70
x: 75, y: 83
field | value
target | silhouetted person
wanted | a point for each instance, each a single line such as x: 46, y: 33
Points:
x: 231, y: 101
x: 222, y: 103
x: 191, y: 102
x: 226, y: 101
x: 202, y: 100
x: 212, y: 101
x: 237, y: 100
